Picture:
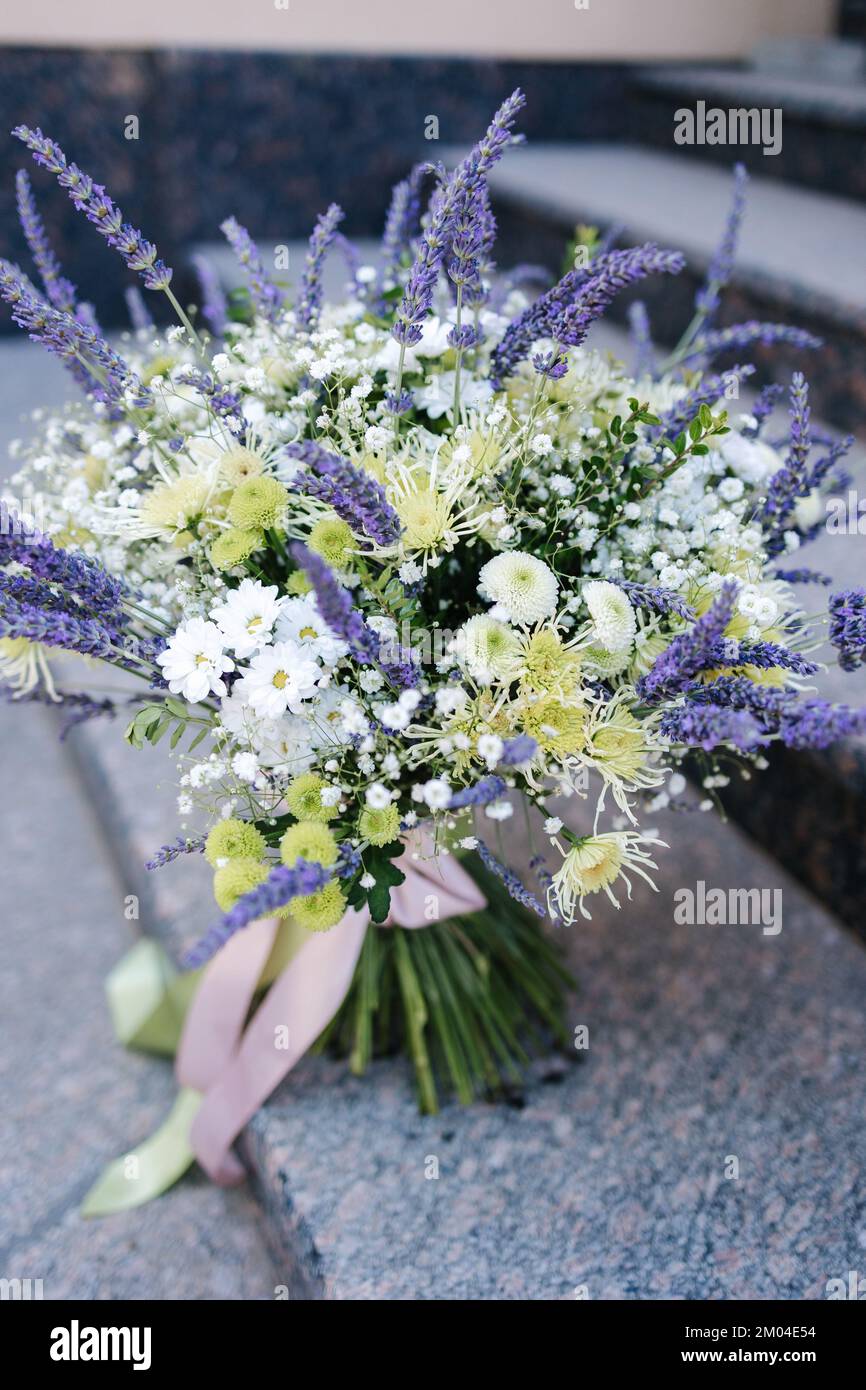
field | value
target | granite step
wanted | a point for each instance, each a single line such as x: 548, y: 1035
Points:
x: 72, y: 1098
x: 823, y: 121
x: 800, y: 258
x: 607, y: 1177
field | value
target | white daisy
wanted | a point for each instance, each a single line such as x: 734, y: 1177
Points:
x: 194, y: 661
x: 301, y: 622
x: 281, y: 678
x: 247, y: 615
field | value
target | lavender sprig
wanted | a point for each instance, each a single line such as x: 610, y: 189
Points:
x: 400, y: 225
x: 266, y: 296
x: 309, y: 305
x: 508, y: 877
x: 481, y: 793
x: 744, y: 335
x: 106, y: 375
x: 692, y: 652
x: 354, y: 494
x: 656, y: 598
x: 343, y: 618
x: 213, y: 301
x: 91, y: 199
x: 518, y: 750
x: 708, y: 726
x: 97, y: 591
x: 166, y: 854
x: 60, y: 291
x: 848, y: 627
x: 281, y: 885
x: 722, y: 264
x: 437, y: 238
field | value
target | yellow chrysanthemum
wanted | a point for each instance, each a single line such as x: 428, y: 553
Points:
x: 304, y: 798
x: 548, y: 666
x: 557, y: 727
x: 380, y: 827
x: 319, y: 911
x: 310, y: 840
x: 620, y: 745
x: 425, y: 517
x: 258, y: 502
x: 233, y: 839
x: 177, y: 506
x: 234, y: 879
x: 233, y: 547
x: 238, y: 464
x: 332, y: 539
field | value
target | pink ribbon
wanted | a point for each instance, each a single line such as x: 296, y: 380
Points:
x: 237, y: 1068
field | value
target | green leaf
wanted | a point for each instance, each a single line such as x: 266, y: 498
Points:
x: 680, y: 443
x: 695, y: 431
x: 705, y: 415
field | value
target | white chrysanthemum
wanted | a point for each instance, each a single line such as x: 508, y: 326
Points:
x: 24, y: 665
x: 300, y: 621
x: 194, y: 661
x: 281, y: 678
x: 593, y: 864
x: 489, y: 650
x: 524, y: 587
x: 612, y: 615
x: 247, y: 615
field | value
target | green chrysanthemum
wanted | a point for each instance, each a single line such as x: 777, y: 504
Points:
x: 319, y: 911
x: 333, y: 540
x: 232, y: 547
x: 304, y: 798
x: 310, y: 840
x: 235, y: 878
x: 258, y: 502
x: 234, y: 839
x: 380, y: 827
x: 298, y: 584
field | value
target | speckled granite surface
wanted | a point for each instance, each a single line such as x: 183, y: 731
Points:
x: 707, y: 1044
x: 72, y: 1097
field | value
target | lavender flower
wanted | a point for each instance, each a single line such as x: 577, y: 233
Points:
x: 566, y: 313
x: 213, y: 301
x: 91, y: 199
x: 60, y: 291
x: 656, y: 598
x: 281, y: 885
x: 848, y: 627
x: 343, y: 618
x: 309, y: 304
x: 182, y: 845
x: 766, y: 655
x: 354, y: 494
x: 56, y: 628
x: 641, y: 339
x: 744, y: 335
x: 722, y: 264
x: 139, y: 315
x: 437, y: 239
x: 107, y: 377
x: 693, y: 651
x: 98, y: 592
x: 707, y: 726
x: 803, y: 576
x: 709, y: 391
x: 509, y: 878
x: 266, y: 296
x: 781, y: 713
x: 401, y: 224
x: 818, y: 724
x: 518, y: 750
x: 481, y: 793
x: 791, y: 481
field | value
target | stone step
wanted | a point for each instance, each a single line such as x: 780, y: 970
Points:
x: 823, y: 122
x: 611, y: 1173
x: 800, y: 255
x: 72, y: 1098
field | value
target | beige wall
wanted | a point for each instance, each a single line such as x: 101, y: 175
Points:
x: 626, y: 29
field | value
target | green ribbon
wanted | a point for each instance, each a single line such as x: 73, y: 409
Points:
x: 149, y: 1000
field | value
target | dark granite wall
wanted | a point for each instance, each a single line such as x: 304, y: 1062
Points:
x: 272, y: 138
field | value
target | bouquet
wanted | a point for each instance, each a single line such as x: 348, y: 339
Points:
x: 390, y: 571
